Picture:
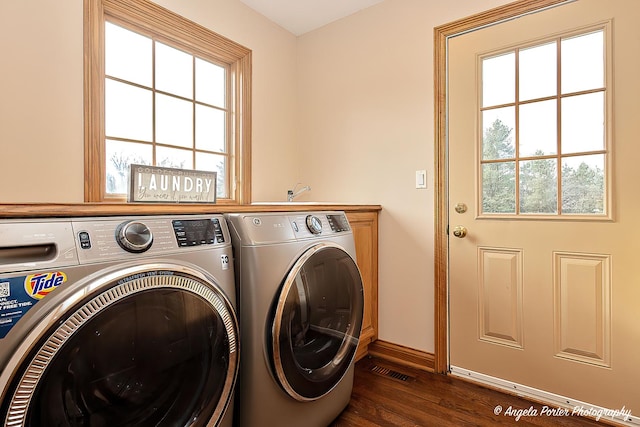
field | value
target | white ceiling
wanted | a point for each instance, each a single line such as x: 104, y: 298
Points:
x: 301, y: 16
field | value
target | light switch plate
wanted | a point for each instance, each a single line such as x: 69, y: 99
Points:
x: 421, y: 179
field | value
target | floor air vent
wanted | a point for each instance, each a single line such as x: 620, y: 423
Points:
x: 389, y: 373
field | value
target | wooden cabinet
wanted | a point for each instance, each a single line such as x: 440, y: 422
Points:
x: 365, y: 234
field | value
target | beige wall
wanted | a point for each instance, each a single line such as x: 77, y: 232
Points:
x: 41, y: 96
x: 41, y: 127
x: 365, y: 119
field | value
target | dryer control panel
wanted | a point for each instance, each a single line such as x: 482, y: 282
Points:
x: 338, y: 222
x: 318, y: 224
x: 265, y: 228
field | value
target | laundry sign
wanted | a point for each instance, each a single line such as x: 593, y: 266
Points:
x: 155, y: 184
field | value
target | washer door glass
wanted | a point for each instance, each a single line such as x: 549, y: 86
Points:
x: 158, y: 349
x: 317, y: 321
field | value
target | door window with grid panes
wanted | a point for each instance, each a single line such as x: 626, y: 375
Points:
x: 544, y: 142
x: 163, y: 107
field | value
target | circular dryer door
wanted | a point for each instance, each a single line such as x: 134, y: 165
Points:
x: 317, y: 321
x: 154, y: 347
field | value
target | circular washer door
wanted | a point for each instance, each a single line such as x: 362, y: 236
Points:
x: 317, y: 321
x: 156, y: 347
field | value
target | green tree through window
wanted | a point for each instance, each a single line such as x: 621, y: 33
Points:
x: 582, y: 189
x: 582, y: 185
x: 498, y: 179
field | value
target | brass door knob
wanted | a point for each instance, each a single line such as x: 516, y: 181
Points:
x: 461, y: 208
x: 459, y: 231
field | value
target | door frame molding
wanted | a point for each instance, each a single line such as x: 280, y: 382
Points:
x: 441, y: 249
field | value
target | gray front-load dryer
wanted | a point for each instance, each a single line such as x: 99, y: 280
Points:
x: 300, y: 303
x: 117, y: 322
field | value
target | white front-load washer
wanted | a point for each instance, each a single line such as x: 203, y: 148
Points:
x: 300, y: 303
x: 117, y: 322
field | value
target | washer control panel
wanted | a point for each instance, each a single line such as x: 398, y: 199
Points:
x: 132, y: 236
x: 193, y: 232
x: 114, y: 238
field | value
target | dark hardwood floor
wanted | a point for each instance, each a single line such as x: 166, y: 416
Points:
x: 426, y: 399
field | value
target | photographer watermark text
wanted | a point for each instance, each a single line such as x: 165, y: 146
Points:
x: 547, y: 411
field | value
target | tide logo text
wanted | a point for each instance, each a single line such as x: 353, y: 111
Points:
x: 38, y: 286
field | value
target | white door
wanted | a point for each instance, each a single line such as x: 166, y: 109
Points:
x: 544, y: 142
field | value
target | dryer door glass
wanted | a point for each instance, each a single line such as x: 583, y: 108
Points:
x: 160, y: 352
x: 317, y: 321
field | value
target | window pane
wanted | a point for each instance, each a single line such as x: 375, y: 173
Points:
x: 583, y: 185
x: 214, y: 163
x: 538, y: 72
x: 538, y: 186
x: 210, y: 129
x: 210, y: 83
x: 128, y: 112
x: 499, y: 187
x: 498, y: 135
x: 174, y: 71
x: 119, y: 156
x: 583, y: 123
x: 538, y: 128
x: 174, y: 158
x: 174, y: 121
x: 583, y: 62
x: 127, y: 55
x: 499, y: 80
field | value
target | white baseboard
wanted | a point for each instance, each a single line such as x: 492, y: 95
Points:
x: 619, y: 416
